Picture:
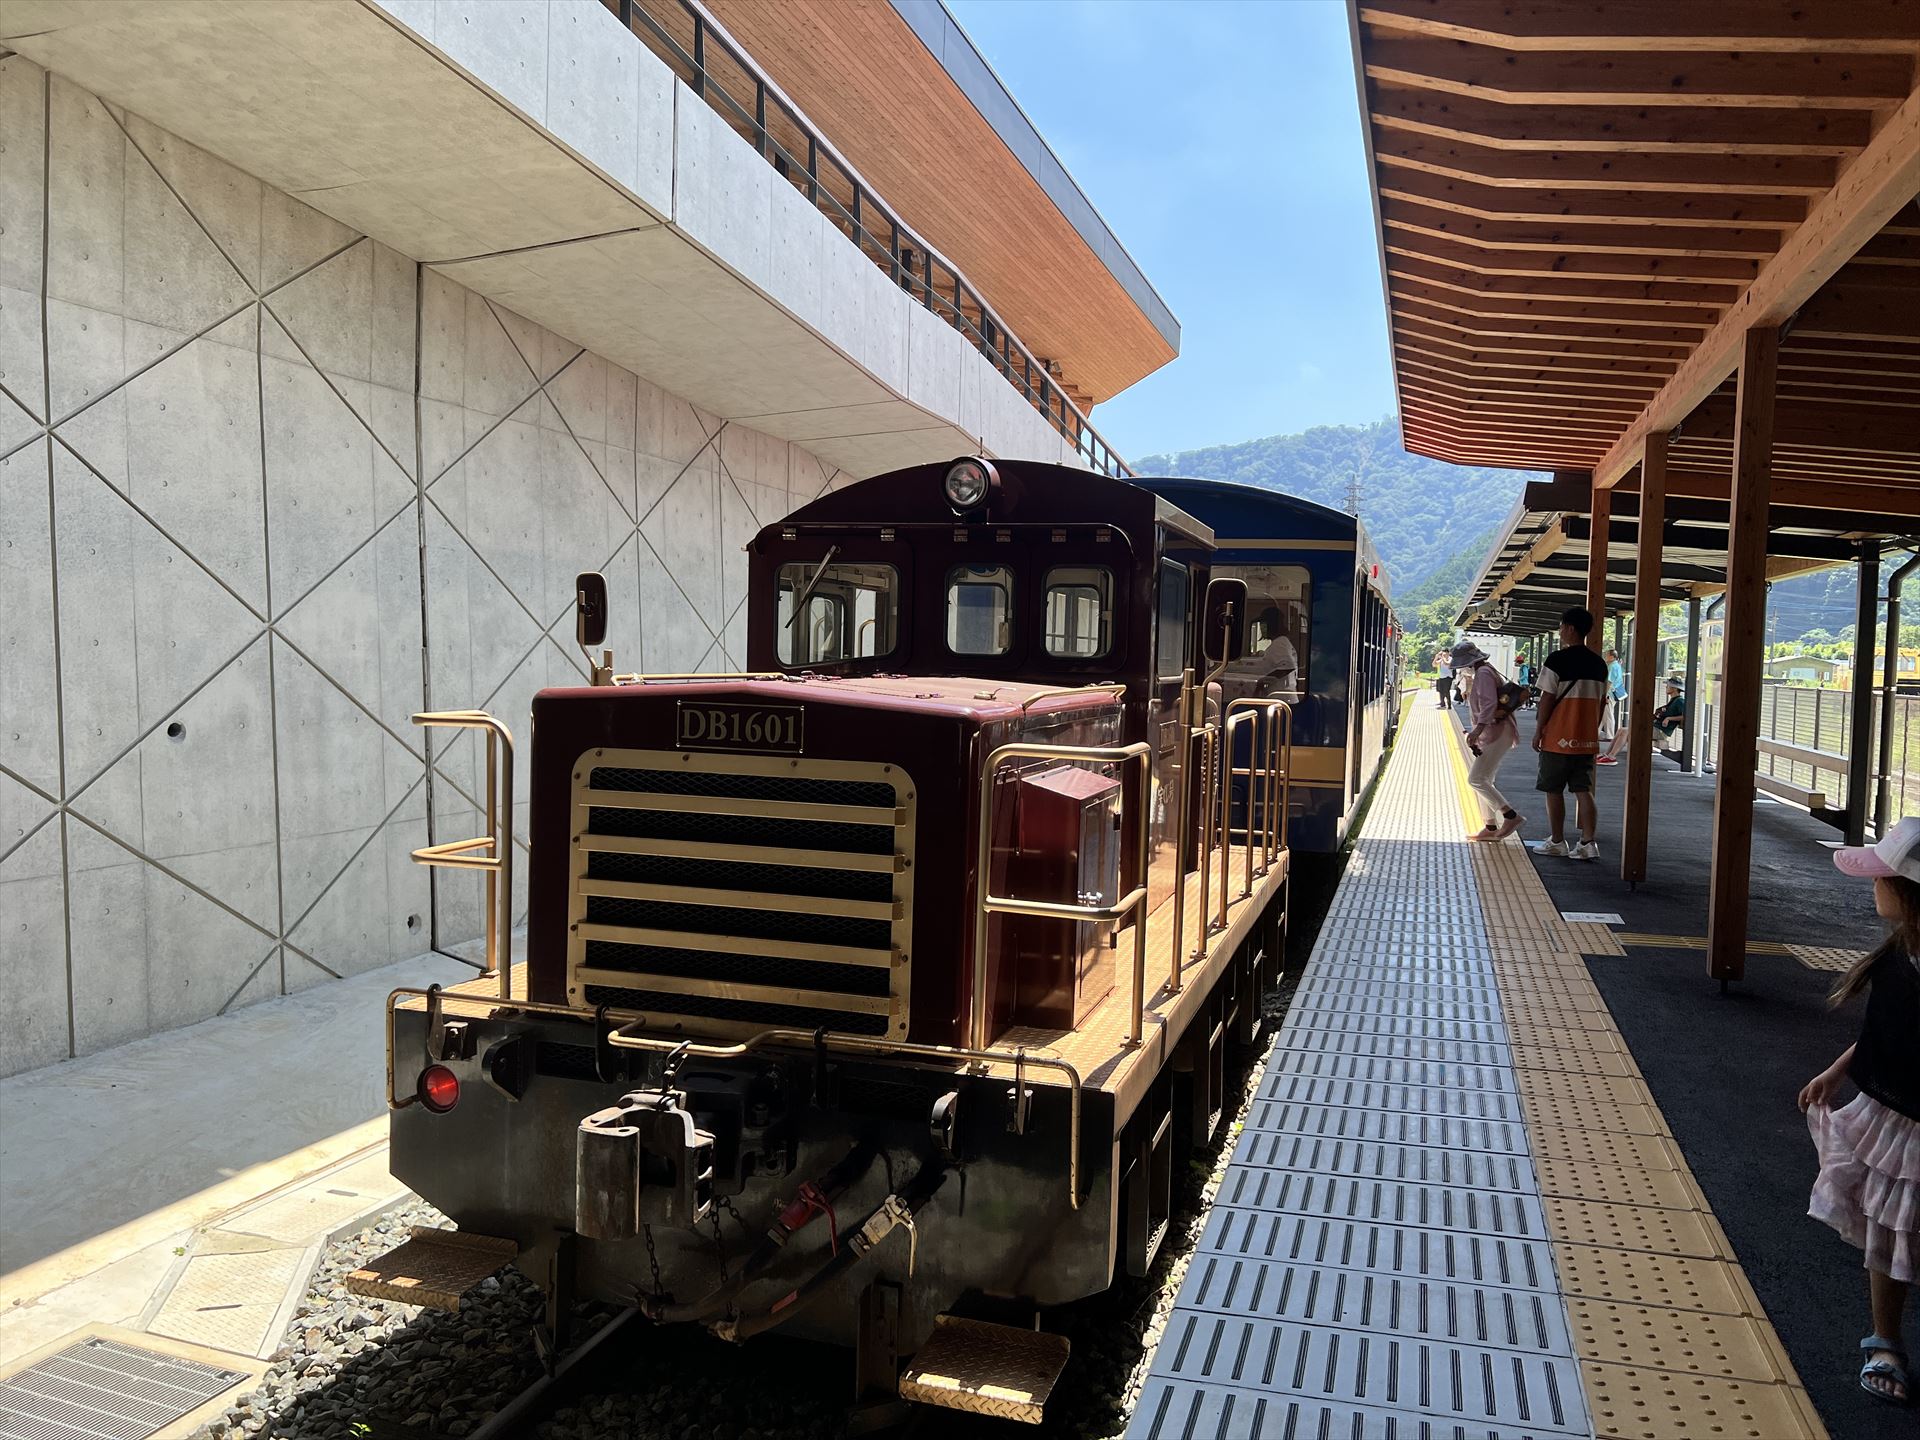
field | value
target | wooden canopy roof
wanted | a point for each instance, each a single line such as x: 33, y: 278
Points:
x: 1584, y: 205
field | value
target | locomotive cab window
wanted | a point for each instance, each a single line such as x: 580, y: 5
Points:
x: 980, y: 609
x: 1079, y: 614
x: 1170, y: 630
x: 1277, y: 642
x: 837, y: 612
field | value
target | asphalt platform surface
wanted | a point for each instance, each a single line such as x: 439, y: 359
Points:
x: 1725, y: 1068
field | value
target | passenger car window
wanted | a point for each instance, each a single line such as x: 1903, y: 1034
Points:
x: 1279, y: 634
x: 852, y: 612
x: 1170, y: 631
x: 1079, y: 616
x: 980, y: 609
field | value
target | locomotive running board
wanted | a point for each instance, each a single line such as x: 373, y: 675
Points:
x: 985, y: 1369
x: 434, y: 1268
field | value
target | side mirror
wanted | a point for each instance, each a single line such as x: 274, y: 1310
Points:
x: 1223, y: 620
x: 590, y: 609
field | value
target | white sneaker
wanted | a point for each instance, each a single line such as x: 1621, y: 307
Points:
x: 1586, y: 850
x: 1555, y: 848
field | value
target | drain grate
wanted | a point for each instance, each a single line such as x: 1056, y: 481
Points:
x: 105, y: 1390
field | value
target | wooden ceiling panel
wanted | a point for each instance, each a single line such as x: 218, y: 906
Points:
x: 1582, y: 206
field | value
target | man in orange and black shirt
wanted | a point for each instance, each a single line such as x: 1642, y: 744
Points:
x: 1573, y: 695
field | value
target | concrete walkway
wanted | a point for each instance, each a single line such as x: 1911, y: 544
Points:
x: 137, y: 1182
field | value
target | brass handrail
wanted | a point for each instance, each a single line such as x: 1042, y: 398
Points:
x: 987, y: 903
x: 1279, y: 764
x: 625, y: 1020
x: 497, y: 862
x: 1210, y: 753
x: 1232, y: 723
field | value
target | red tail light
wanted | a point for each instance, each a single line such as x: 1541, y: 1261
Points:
x: 439, y: 1089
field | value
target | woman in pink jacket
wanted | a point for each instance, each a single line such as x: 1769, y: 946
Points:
x: 1492, y: 736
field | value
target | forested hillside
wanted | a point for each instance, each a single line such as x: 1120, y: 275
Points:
x: 1423, y: 514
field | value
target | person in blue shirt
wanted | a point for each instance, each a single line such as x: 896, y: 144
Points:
x: 1611, y: 730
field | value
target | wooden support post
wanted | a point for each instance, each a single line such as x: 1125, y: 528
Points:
x: 1599, y: 543
x: 1690, y: 749
x: 1646, y: 640
x: 1860, y: 703
x: 1742, y: 651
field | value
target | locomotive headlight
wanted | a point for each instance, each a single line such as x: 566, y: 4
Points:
x: 968, y: 484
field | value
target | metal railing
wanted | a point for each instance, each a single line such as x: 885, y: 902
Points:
x: 1263, y: 780
x: 491, y: 853
x: 1133, y: 903
x: 700, y: 52
x: 1820, y: 719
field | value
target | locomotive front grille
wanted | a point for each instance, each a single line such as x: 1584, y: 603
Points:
x: 722, y: 894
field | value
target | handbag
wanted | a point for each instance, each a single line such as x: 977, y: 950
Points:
x: 1510, y: 697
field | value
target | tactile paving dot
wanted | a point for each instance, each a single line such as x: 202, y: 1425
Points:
x: 1588, y: 1092
x: 1634, y: 1227
x: 1635, y: 1404
x: 1547, y: 1011
x: 1579, y: 1062
x: 1636, y: 1277
x: 1548, y: 1037
x: 1548, y: 1109
x: 1601, y: 1147
x: 1729, y: 1346
x: 1616, y: 1184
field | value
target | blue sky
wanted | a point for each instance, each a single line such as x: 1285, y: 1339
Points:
x: 1221, y: 141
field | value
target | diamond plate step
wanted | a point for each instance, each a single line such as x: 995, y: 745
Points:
x: 435, y: 1268
x: 985, y: 1369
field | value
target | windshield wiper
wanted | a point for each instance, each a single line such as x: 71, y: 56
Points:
x: 806, y: 594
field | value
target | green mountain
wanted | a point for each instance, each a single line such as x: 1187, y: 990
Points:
x: 1424, y: 515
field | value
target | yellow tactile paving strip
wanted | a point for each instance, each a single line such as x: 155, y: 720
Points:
x: 1672, y: 1341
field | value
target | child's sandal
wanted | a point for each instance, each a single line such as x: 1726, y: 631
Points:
x: 1891, y: 1375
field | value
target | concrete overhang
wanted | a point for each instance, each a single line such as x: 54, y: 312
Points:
x: 537, y: 153
x: 907, y: 98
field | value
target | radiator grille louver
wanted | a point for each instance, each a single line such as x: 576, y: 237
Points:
x: 720, y: 894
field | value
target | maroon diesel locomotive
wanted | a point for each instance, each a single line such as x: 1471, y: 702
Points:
x: 873, y: 992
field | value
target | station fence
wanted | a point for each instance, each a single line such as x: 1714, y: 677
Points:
x: 1820, y: 719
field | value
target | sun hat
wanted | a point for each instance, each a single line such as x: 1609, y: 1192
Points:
x: 1467, y: 653
x: 1898, y: 853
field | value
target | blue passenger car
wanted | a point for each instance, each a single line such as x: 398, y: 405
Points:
x: 1320, y: 634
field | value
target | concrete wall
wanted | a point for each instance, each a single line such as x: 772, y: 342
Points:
x: 266, y: 488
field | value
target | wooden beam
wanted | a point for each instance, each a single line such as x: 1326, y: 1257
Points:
x: 1719, y: 79
x: 1570, y: 265
x: 1846, y: 309
x: 1582, y: 237
x: 1626, y: 318
x: 1664, y: 128
x: 1551, y: 286
x: 1608, y: 207
x: 1858, y: 26
x: 1660, y: 326
x: 1576, y: 170
x: 1540, y: 337
x: 1518, y: 378
x: 1875, y: 188
x: 1646, y: 641
x: 1742, y: 651
x: 1597, y: 557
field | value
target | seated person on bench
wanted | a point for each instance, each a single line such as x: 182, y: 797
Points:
x: 1670, y: 718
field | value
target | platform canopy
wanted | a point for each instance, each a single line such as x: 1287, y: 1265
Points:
x: 1669, y: 252
x: 1584, y: 206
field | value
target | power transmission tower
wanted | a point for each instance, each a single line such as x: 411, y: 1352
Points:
x: 1353, y: 493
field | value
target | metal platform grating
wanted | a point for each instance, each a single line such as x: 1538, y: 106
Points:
x: 105, y: 1390
x: 1377, y: 1262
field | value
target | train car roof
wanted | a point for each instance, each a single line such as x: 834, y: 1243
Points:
x: 1239, y: 511
x: 1033, y: 492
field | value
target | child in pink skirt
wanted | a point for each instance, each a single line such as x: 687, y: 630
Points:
x: 1869, y: 1183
